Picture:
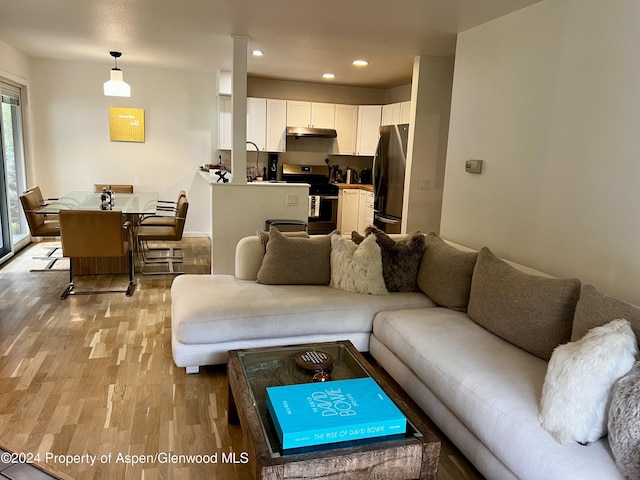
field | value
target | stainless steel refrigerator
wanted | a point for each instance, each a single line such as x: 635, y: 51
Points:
x: 389, y: 164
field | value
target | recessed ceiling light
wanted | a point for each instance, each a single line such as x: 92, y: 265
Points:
x: 360, y: 63
x: 328, y: 76
x: 257, y: 53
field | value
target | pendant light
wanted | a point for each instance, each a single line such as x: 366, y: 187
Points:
x: 116, y: 86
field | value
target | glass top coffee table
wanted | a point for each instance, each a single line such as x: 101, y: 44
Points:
x: 250, y: 371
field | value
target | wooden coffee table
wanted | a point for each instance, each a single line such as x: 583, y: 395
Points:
x: 414, y: 455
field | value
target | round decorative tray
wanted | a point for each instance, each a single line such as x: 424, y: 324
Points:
x: 314, y: 360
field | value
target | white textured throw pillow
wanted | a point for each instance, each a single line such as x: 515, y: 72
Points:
x: 578, y: 385
x: 357, y: 268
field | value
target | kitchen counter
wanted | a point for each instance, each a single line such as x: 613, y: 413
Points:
x: 357, y: 186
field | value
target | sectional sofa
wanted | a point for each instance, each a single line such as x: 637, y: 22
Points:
x: 467, y: 335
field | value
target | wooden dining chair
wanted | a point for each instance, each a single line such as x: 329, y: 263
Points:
x: 95, y: 233
x: 170, y: 232
x: 121, y: 188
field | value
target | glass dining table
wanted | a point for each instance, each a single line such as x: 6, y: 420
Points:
x: 132, y: 206
x: 143, y: 203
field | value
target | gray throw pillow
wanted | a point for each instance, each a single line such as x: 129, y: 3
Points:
x: 400, y: 259
x: 295, y: 260
x: 263, y: 235
x: 532, y: 312
x: 445, y: 273
x: 595, y: 308
x: 624, y: 423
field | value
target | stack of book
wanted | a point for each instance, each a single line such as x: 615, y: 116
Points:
x: 319, y: 413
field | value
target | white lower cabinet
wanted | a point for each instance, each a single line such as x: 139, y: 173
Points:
x: 348, y: 203
x: 365, y: 210
x: 355, y: 210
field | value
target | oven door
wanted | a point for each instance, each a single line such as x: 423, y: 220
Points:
x: 324, y: 209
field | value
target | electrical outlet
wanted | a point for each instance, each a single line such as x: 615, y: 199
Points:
x: 292, y: 200
x: 424, y: 184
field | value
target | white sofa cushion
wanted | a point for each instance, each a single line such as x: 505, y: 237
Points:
x: 492, y: 387
x: 221, y: 308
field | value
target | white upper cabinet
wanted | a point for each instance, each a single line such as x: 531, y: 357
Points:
x: 310, y: 114
x: 396, y: 113
x: 391, y: 114
x: 405, y: 112
x: 346, y: 128
x: 323, y: 115
x: 257, y: 122
x: 369, y: 117
x: 276, y: 125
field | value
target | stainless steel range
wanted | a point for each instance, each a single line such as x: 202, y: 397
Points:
x: 323, y: 196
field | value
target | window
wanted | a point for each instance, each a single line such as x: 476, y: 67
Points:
x: 14, y: 230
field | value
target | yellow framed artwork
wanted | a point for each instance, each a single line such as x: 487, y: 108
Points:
x: 126, y: 124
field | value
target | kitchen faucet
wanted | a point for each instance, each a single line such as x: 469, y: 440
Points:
x: 251, y: 178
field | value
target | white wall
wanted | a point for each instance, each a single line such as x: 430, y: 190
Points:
x: 427, y: 145
x: 71, y: 146
x: 239, y: 211
x: 549, y: 98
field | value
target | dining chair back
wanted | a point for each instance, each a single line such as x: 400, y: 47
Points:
x: 121, y: 188
x: 95, y: 233
x: 170, y: 232
x: 39, y: 225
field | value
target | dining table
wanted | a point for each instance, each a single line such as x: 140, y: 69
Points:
x: 132, y: 205
x: 142, y: 203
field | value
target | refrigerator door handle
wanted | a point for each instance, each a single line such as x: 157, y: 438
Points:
x: 390, y: 221
x: 378, y: 153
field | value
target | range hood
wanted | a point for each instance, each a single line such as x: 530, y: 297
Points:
x: 310, y: 132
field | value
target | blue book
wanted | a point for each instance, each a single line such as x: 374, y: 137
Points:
x: 318, y: 413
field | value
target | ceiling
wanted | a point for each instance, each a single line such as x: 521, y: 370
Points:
x: 301, y: 39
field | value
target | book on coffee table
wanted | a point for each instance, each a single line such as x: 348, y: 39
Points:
x: 335, y: 411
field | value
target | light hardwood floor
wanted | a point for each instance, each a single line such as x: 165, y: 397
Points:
x: 92, y: 376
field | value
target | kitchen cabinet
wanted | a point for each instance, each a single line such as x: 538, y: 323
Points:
x: 257, y: 122
x: 348, y: 204
x: 369, y: 117
x: 405, y: 112
x: 365, y: 210
x: 266, y: 123
x: 396, y: 113
x: 390, y: 114
x: 276, y: 125
x: 346, y: 128
x: 310, y: 114
x: 224, y: 122
x: 355, y: 210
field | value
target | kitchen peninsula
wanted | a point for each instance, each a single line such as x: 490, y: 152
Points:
x: 239, y: 210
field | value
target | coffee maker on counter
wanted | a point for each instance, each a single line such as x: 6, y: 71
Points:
x: 272, y: 168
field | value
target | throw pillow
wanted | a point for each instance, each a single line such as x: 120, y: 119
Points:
x: 445, y: 273
x: 624, y: 424
x: 263, y: 235
x: 594, y: 309
x: 400, y: 259
x: 357, y: 268
x: 295, y: 260
x: 533, y: 312
x: 580, y: 376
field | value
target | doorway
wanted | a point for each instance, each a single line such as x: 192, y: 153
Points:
x: 14, y: 231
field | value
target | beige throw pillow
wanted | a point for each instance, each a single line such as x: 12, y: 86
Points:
x: 595, y: 308
x: 534, y: 313
x: 357, y: 268
x: 445, y: 273
x: 296, y: 261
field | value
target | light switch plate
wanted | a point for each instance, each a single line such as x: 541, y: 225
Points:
x: 292, y: 200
